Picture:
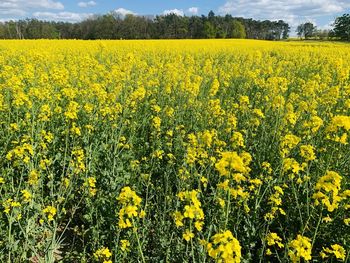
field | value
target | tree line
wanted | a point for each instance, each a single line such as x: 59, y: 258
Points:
x: 170, y: 26
x: 341, y: 30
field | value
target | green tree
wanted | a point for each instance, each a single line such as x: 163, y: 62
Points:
x: 342, y: 27
x: 209, y: 29
x: 306, y: 30
x: 237, y: 30
x: 300, y: 30
x: 309, y: 30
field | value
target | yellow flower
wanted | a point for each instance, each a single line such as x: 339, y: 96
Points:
x: 124, y: 244
x: 204, y: 181
x: 327, y: 219
x: 72, y: 111
x: 142, y: 213
x: 214, y: 87
x: 188, y: 235
x: 103, y: 254
x: 27, y: 196
x: 230, y: 161
x: 268, y: 252
x: 156, y: 122
x: 347, y: 221
x: 207, y: 138
x: 91, y: 183
x: 288, y: 142
x: 273, y: 238
x: 199, y: 225
x: 10, y: 203
x: 337, y: 250
x: 130, y: 202
x: 178, y: 217
x: 224, y: 248
x: 300, y: 248
x: 307, y: 151
x: 290, y: 164
x: 327, y: 190
x: 50, y: 211
x: 237, y: 140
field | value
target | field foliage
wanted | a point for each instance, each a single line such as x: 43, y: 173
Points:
x: 174, y: 151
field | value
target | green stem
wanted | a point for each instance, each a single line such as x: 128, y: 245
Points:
x: 139, y: 246
x: 315, y: 234
x: 192, y: 250
x: 298, y: 205
x: 227, y: 208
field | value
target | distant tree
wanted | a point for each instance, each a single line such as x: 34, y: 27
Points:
x: 309, y: 30
x: 11, y: 30
x: 342, y: 27
x: 237, y: 30
x: 222, y: 27
x: 116, y: 26
x: 331, y: 34
x: 104, y: 27
x: 306, y: 30
x: 209, y: 29
x: 286, y: 30
x: 300, y: 30
x: 211, y: 16
x: 322, y: 34
x: 2, y: 30
x: 281, y: 30
x: 196, y: 27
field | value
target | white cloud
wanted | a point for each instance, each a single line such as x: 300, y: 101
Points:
x: 87, y: 4
x: 12, y: 12
x: 62, y: 16
x: 292, y: 11
x: 22, y: 7
x: 193, y: 10
x: 47, y: 4
x: 175, y: 11
x: 123, y: 12
x: 8, y: 5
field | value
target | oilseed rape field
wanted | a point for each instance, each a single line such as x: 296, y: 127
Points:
x: 174, y: 151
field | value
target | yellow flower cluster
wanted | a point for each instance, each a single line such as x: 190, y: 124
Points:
x: 21, y: 153
x: 300, y: 248
x: 338, y: 129
x: 33, y: 177
x: 10, y: 203
x: 273, y: 239
x: 327, y: 190
x: 50, y: 212
x: 275, y: 201
x: 27, y: 196
x: 231, y: 162
x: 78, y: 161
x: 224, y: 248
x: 124, y: 244
x: 192, y: 211
x: 288, y: 142
x: 103, y: 255
x: 199, y: 146
x: 337, y: 250
x: 130, y: 210
x: 91, y: 184
x: 307, y: 152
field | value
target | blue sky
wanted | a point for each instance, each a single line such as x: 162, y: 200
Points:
x: 320, y: 12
